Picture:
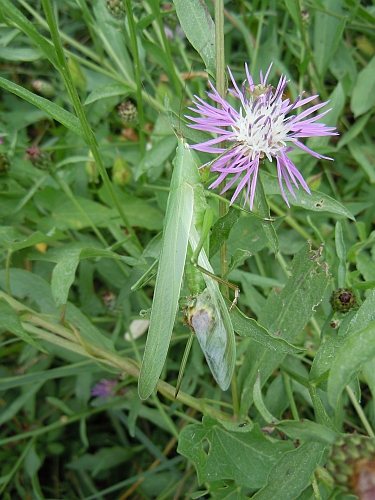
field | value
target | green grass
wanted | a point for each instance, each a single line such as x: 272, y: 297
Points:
x: 81, y: 221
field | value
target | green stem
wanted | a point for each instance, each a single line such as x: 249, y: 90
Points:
x: 134, y: 44
x: 289, y: 393
x: 360, y: 412
x: 90, y: 137
x: 220, y: 86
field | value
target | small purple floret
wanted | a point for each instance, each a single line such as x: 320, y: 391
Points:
x: 260, y: 130
x: 105, y: 388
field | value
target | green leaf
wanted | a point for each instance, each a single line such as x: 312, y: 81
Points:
x: 110, y: 90
x: 199, y: 29
x: 221, y: 230
x: 363, y: 154
x: 363, y: 96
x: 63, y: 276
x: 284, y: 315
x: 15, y: 406
x: 290, y: 476
x: 20, y: 54
x: 237, y: 259
x: 341, y: 254
x: 29, y: 29
x: 327, y: 33
x: 317, y: 202
x: 259, y: 403
x: 249, y: 328
x: 264, y: 211
x: 328, y: 351
x: 64, y: 117
x: 25, y: 284
x: 244, y: 455
x: 10, y: 320
x: 358, y: 349
x: 156, y: 156
x: 354, y: 130
x: 30, y: 241
x: 306, y: 430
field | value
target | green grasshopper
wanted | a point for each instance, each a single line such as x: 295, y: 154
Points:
x: 186, y: 225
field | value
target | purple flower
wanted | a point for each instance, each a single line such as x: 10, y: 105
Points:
x: 105, y: 388
x: 260, y: 129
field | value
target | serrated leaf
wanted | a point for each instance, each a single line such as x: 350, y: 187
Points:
x: 245, y: 457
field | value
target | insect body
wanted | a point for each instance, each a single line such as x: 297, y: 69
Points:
x: 184, y: 219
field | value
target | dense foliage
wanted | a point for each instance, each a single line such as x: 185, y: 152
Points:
x: 94, y: 96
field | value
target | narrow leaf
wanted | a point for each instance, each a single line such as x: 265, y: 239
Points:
x: 110, y: 90
x: 64, y: 117
x: 10, y: 320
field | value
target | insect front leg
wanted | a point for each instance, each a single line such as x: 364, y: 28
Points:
x: 206, y: 225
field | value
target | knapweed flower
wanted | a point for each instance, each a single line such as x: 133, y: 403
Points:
x: 260, y: 129
x: 105, y: 388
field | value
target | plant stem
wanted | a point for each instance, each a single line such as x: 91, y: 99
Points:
x: 89, y: 135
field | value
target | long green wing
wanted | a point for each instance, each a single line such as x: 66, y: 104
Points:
x: 217, y: 343
x: 170, y: 272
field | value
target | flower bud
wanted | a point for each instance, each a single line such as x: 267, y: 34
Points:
x: 4, y: 163
x: 121, y: 172
x: 43, y: 87
x: 92, y: 170
x: 352, y: 465
x: 128, y: 112
x: 39, y: 158
x: 116, y: 8
x: 342, y: 300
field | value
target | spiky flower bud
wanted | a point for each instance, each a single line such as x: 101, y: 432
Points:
x: 92, y: 170
x: 39, y: 158
x: 306, y: 18
x: 121, y: 172
x: 128, y: 112
x: 43, y: 87
x: 352, y: 465
x: 342, y: 300
x: 4, y: 163
x: 116, y: 8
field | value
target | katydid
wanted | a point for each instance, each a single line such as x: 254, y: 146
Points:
x: 186, y: 219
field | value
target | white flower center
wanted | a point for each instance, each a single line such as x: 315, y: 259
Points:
x: 261, y: 131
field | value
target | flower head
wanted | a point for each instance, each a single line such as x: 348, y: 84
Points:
x: 260, y: 129
x: 105, y: 388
